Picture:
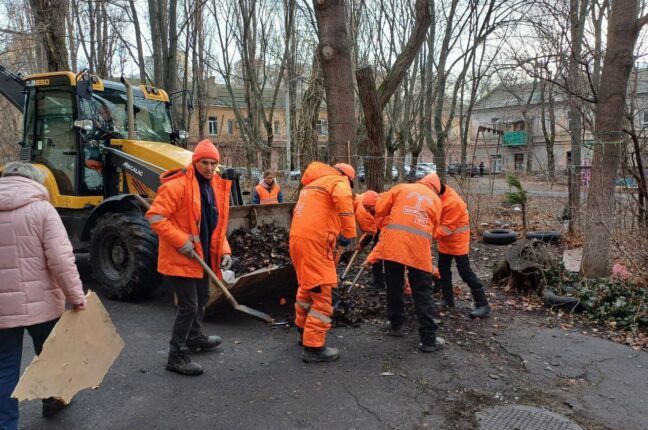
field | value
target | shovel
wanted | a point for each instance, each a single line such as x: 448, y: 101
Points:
x: 241, y: 308
x: 355, y: 280
x: 338, y: 254
x: 353, y: 257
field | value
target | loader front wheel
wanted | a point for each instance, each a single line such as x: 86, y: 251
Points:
x: 123, y: 256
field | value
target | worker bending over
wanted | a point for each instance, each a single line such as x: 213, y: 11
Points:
x: 322, y: 216
x: 364, y: 206
x: 413, y: 212
x: 190, y: 213
x: 453, y: 242
x: 267, y: 190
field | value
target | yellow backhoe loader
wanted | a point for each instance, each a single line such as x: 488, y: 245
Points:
x: 100, y: 143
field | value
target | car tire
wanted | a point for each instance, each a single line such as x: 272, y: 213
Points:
x: 552, y: 237
x: 123, y: 256
x: 499, y: 236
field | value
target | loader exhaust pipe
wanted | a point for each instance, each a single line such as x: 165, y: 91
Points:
x: 130, y: 108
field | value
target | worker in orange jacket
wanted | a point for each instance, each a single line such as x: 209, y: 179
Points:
x: 323, y: 216
x: 413, y: 212
x: 453, y: 242
x: 190, y: 213
x: 364, y: 206
x: 267, y: 190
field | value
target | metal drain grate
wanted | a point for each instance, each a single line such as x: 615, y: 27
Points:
x: 516, y: 417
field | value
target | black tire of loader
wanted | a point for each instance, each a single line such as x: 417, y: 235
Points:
x: 123, y: 256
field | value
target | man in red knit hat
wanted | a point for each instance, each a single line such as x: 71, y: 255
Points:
x: 190, y: 213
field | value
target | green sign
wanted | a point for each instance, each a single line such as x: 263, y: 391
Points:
x: 515, y: 138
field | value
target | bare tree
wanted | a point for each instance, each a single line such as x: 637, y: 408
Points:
x: 49, y: 19
x: 335, y: 57
x: 623, y: 30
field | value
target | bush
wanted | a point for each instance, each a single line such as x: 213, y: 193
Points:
x: 606, y: 300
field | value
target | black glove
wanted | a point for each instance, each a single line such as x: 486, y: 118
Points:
x: 366, y: 240
x: 343, y: 241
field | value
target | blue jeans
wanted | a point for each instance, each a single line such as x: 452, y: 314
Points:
x: 11, y: 341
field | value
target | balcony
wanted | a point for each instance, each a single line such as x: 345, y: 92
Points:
x: 515, y: 138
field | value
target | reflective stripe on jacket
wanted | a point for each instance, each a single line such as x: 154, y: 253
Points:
x: 175, y: 217
x: 324, y: 211
x: 413, y: 212
x: 453, y: 234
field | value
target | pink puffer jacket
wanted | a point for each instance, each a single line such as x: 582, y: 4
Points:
x: 37, y: 270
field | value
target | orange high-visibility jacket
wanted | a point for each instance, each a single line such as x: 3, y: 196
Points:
x: 324, y: 211
x: 175, y: 217
x: 413, y: 212
x: 268, y: 196
x: 453, y: 234
x: 365, y: 220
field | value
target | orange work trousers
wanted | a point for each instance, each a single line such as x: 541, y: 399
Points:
x: 313, y: 312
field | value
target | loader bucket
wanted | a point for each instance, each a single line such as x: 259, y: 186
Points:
x: 248, y: 287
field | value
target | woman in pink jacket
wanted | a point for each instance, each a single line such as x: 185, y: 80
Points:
x: 38, y: 274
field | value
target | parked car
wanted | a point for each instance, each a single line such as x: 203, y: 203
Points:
x: 361, y: 173
x: 417, y: 172
x: 462, y: 169
x: 430, y: 166
x: 295, y: 174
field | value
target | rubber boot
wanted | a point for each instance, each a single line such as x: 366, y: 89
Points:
x: 180, y: 362
x: 203, y: 343
x: 52, y: 406
x: 320, y: 355
x: 482, y: 308
x: 438, y: 344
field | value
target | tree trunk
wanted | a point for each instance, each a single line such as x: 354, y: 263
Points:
x: 623, y: 29
x: 138, y: 40
x: 49, y: 17
x: 335, y: 58
x: 577, y: 15
x: 549, y: 135
x: 375, y: 168
x: 306, y: 144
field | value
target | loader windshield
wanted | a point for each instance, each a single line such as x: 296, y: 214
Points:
x: 107, y: 110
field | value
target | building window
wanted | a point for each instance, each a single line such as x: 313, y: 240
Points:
x: 230, y: 126
x: 275, y: 128
x: 644, y: 119
x: 213, y: 126
x: 322, y: 127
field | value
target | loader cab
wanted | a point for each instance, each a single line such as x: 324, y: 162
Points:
x: 65, y: 124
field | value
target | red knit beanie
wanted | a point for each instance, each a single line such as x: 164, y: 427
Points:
x: 370, y: 198
x: 205, y: 149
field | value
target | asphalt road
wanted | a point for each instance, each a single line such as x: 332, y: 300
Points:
x: 257, y: 381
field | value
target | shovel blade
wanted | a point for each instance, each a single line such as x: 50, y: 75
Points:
x: 253, y: 312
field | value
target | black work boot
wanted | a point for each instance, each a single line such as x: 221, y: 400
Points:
x: 180, y: 362
x: 482, y: 309
x: 203, y: 343
x: 320, y: 355
x: 480, y: 312
x: 397, y: 330
x: 52, y: 406
x: 446, y: 304
x: 438, y: 344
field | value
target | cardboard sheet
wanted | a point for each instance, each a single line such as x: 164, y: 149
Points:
x: 572, y: 259
x: 76, y: 355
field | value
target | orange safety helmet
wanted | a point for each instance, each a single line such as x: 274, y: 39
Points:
x: 432, y: 180
x: 346, y: 169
